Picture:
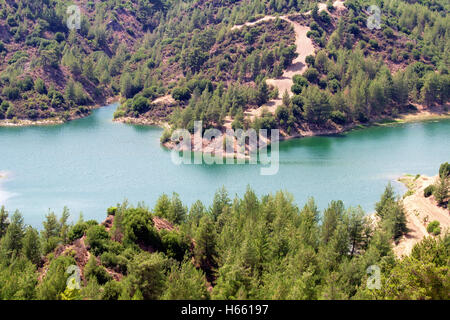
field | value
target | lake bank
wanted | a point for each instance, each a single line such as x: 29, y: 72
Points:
x: 93, y: 163
x: 56, y: 120
x: 420, y: 211
x: 411, y: 117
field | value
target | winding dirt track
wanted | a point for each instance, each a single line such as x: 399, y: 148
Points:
x: 419, y: 212
x: 305, y: 47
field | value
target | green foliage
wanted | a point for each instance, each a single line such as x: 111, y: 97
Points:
x: 97, y: 237
x: 186, y: 282
x: 39, y: 86
x: 311, y: 74
x: 4, y: 223
x: 421, y: 276
x: 12, y: 243
x: 12, y: 93
x: 55, y: 231
x: 18, y: 280
x: 95, y: 271
x: 392, y: 213
x: 77, y: 231
x: 205, y: 249
x: 138, y: 227
x: 174, y: 244
x: 146, y: 274
x: 54, y: 282
x: 444, y: 170
x: 31, y: 245
x: 428, y: 191
x: 111, y: 290
x: 317, y: 106
x: 170, y: 209
x: 441, y: 190
x: 434, y: 227
x: 114, y: 261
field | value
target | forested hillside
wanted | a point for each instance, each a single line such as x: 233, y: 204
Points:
x: 187, y: 54
x: 241, y: 248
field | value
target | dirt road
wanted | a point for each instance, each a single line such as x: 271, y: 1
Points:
x: 419, y: 212
x: 305, y: 47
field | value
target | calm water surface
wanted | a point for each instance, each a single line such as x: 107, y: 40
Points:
x: 93, y: 163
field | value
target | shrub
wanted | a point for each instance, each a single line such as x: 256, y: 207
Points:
x: 388, y: 32
x: 26, y: 84
x: 148, y: 271
x: 151, y: 64
x: 444, y: 170
x: 59, y: 36
x: 149, y: 93
x: 311, y: 74
x: 111, y: 211
x: 77, y: 231
x: 434, y: 227
x: 181, y: 94
x: 338, y: 117
x: 115, y: 262
x: 4, y: 106
x: 97, y: 237
x: 325, y: 17
x: 373, y: 43
x: 39, y: 86
x: 11, y: 21
x: 111, y: 290
x: 11, y: 112
x: 353, y: 28
x: 428, y: 191
x: 334, y: 85
x: 300, y: 80
x: 12, y: 93
x: 166, y: 135
x: 2, y: 47
x: 32, y: 114
x: 92, y: 270
x: 140, y: 104
x: 310, y: 60
x: 174, y: 244
x: 296, y: 89
x: 138, y: 227
x: 282, y: 113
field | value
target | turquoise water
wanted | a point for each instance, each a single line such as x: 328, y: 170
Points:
x: 93, y: 163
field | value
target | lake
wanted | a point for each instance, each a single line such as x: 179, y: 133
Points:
x: 93, y: 163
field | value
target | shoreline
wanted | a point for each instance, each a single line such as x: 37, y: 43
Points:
x: 55, y: 121
x: 419, y: 116
x: 142, y: 122
x: 419, y: 212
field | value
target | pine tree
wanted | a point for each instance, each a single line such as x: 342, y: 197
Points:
x: 186, y: 282
x: 12, y: 241
x: 32, y: 246
x: 4, y: 223
x: 308, y: 228
x: 177, y: 212
x: 205, y: 248
x: 286, y: 99
x: 263, y: 93
x: 441, y: 192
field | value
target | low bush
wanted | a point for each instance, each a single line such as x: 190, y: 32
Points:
x: 434, y: 227
x: 428, y: 191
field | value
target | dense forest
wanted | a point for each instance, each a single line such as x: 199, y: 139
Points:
x: 241, y: 248
x: 142, y: 50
